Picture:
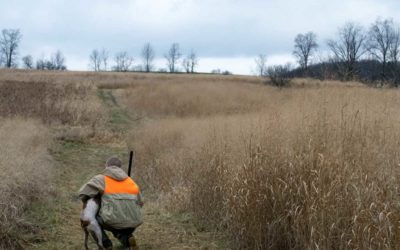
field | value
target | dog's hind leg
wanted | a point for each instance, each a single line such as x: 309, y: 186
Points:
x: 86, y: 238
x: 95, y: 229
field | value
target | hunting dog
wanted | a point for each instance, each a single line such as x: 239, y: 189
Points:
x: 89, y: 223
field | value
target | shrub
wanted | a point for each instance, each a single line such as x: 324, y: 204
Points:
x: 280, y: 75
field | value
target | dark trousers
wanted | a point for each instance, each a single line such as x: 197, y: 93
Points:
x: 122, y: 235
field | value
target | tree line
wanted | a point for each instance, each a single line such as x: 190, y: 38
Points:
x: 9, y: 46
x: 98, y: 59
x: 368, y: 55
x: 123, y: 62
x: 356, y: 53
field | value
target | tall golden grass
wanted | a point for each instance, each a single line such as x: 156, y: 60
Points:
x: 315, y: 166
x: 71, y: 104
x: 114, y: 80
x: 34, y: 108
x: 25, y: 171
x: 188, y: 99
x: 303, y: 168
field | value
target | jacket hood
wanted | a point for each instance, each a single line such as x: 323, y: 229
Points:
x: 115, y: 172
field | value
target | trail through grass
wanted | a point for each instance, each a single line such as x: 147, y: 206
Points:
x: 78, y: 162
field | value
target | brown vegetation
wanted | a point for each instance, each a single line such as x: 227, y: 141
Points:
x: 285, y: 169
x: 72, y: 104
x: 71, y: 108
x: 315, y: 166
x: 25, y: 171
x: 114, y: 80
x: 191, y: 100
x: 30, y: 108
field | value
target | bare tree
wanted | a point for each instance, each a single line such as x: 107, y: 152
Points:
x: 58, y: 61
x: 190, y: 62
x: 381, y: 39
x: 27, y: 62
x: 123, y: 61
x: 95, y: 60
x: 40, y: 64
x: 148, y: 55
x: 186, y: 65
x: 9, y: 43
x: 394, y: 53
x: 173, y: 57
x: 394, y: 50
x: 104, y: 59
x: 193, y: 61
x: 280, y: 75
x: 261, y: 64
x: 349, y: 47
x: 304, y: 47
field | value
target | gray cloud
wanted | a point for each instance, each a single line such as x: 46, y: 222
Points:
x: 215, y: 29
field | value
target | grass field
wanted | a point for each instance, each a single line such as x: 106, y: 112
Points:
x: 224, y: 161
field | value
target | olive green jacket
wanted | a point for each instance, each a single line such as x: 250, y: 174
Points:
x: 118, y: 211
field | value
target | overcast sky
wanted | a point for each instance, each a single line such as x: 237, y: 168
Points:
x: 226, y: 34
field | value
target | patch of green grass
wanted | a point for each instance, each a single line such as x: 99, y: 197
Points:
x: 75, y: 163
x: 119, y: 119
x: 107, y: 97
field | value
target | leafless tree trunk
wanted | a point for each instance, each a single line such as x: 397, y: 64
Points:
x: 304, y: 47
x: 27, y: 62
x: 95, y: 60
x: 394, y: 53
x: 349, y: 47
x: 104, y: 59
x: 380, y: 42
x: 148, y: 55
x: 173, y: 57
x: 394, y: 50
x: 193, y: 61
x: 261, y: 64
x: 9, y: 43
x: 186, y: 65
x: 190, y: 62
x: 123, y: 61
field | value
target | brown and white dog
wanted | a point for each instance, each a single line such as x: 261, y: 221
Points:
x: 89, y: 223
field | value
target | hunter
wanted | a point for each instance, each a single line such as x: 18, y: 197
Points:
x: 121, y: 203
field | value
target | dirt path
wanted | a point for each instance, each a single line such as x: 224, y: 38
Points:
x: 78, y: 162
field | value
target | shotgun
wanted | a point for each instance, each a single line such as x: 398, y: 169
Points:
x: 130, y: 163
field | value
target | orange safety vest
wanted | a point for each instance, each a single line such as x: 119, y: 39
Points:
x: 127, y: 186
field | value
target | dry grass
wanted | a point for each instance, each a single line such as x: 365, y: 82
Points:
x: 199, y: 97
x: 71, y: 108
x: 315, y: 166
x: 25, y: 171
x: 71, y: 104
x: 190, y: 99
x: 306, y: 168
x: 114, y: 80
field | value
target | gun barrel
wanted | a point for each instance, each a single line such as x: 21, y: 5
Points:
x: 130, y: 163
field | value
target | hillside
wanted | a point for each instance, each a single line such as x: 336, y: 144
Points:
x: 225, y: 162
